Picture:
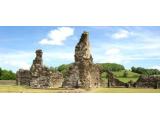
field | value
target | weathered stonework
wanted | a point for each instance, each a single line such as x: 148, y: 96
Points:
x: 39, y: 73
x: 148, y: 82
x: 56, y: 79
x: 83, y: 73
x: 39, y: 76
x: 113, y: 82
x: 23, y: 77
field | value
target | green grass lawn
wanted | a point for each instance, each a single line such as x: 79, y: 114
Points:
x: 124, y: 90
x: 125, y: 80
x: 25, y: 89
x: 130, y: 74
x: 119, y: 75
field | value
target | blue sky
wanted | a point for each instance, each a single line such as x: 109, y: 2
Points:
x: 130, y: 46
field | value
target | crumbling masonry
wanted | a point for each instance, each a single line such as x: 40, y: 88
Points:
x: 83, y: 73
x: 39, y: 76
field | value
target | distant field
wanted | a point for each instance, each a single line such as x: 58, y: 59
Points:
x: 119, y: 75
x: 125, y: 80
x: 7, y: 82
x: 130, y: 74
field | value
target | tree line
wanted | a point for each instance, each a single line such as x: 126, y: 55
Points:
x: 7, y: 74
x: 145, y: 71
x: 114, y: 67
x: 103, y: 67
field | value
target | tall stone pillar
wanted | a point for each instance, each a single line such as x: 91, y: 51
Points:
x: 83, y: 73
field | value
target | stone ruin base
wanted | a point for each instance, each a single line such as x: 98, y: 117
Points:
x: 148, y: 82
x: 113, y: 82
x: 116, y: 83
x: 73, y: 80
x: 24, y: 77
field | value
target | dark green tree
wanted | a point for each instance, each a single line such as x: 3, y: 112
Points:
x: 7, y: 75
x: 0, y: 73
x: 125, y: 74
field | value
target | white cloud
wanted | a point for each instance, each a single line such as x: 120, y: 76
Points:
x: 112, y: 51
x: 113, y: 55
x: 156, y: 67
x: 17, y: 60
x: 23, y: 60
x: 121, y: 34
x: 67, y: 56
x: 57, y: 36
x: 20, y: 64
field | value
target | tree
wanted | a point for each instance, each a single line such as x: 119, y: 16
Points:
x: 7, y: 75
x: 64, y: 68
x: 111, y: 66
x: 144, y: 71
x: 53, y: 69
x: 125, y: 74
x: 0, y: 73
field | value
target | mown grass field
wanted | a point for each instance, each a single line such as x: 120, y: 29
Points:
x: 25, y: 89
x: 124, y: 90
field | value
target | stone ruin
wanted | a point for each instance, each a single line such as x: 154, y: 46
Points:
x: 148, y: 82
x: 39, y: 76
x: 142, y: 82
x: 83, y: 73
x: 113, y: 82
x: 23, y: 77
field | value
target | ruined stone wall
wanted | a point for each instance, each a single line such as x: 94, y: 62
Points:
x: 56, y: 79
x: 95, y: 76
x: 39, y: 76
x: 113, y: 82
x: 71, y: 79
x: 148, y: 82
x: 23, y: 77
x: 83, y: 73
x: 117, y: 83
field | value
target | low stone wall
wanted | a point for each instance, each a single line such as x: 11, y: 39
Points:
x: 117, y: 83
x: 113, y: 82
x: 148, y: 82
